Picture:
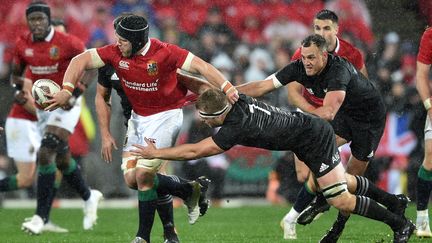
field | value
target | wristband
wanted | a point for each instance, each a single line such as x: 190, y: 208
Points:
x: 427, y: 103
x: 67, y: 91
x: 226, y: 86
x: 68, y: 84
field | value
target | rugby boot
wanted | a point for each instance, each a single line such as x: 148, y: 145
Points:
x: 399, y: 208
x: 404, y: 233
x: 312, y: 212
x: 203, y: 202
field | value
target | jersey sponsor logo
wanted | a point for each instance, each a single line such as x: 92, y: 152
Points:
x: 40, y: 70
x: 28, y: 52
x: 54, y: 53
x: 152, y: 68
x: 124, y: 65
x: 323, y: 167
x: 146, y: 87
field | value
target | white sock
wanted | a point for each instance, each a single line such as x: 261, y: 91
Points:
x: 423, y: 214
x: 291, y: 216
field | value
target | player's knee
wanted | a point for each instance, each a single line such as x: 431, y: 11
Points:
x: 337, y: 195
x: 25, y: 180
x: 52, y: 142
x: 144, y: 178
x: 342, y: 202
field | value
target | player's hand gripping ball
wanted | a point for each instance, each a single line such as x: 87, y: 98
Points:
x: 41, y: 88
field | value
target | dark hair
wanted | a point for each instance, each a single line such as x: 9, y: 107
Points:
x: 316, y: 39
x: 326, y: 14
x: 211, y: 100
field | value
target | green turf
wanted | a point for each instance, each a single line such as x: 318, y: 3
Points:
x: 246, y: 224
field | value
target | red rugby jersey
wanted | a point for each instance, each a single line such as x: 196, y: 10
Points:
x: 50, y: 58
x: 44, y: 59
x: 149, y: 80
x: 343, y: 49
x: 425, y: 50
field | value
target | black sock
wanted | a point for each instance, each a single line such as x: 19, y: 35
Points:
x: 304, y: 198
x: 45, y: 190
x: 365, y: 188
x: 8, y: 184
x: 165, y: 211
x: 146, y: 207
x: 74, y: 178
x: 424, y: 188
x: 173, y: 185
x: 369, y: 208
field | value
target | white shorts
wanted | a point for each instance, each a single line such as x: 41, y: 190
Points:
x: 428, y: 129
x: 23, y: 139
x: 162, y: 128
x: 59, y: 117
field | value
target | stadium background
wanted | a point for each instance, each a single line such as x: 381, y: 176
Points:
x: 247, y: 40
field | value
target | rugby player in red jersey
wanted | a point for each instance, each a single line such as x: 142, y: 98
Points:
x: 147, y: 69
x: 46, y: 53
x: 424, y: 182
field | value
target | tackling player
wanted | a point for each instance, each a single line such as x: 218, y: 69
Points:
x: 325, y: 24
x: 252, y: 123
x: 351, y: 102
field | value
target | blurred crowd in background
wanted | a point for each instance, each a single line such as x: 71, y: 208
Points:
x: 247, y: 40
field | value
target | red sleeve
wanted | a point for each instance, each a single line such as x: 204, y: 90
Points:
x: 106, y: 53
x: 425, y: 49
x: 178, y: 55
x: 296, y: 55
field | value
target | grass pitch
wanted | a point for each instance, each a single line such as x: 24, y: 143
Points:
x: 246, y: 224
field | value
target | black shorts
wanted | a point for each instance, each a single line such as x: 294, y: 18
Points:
x: 321, y: 154
x: 364, y: 136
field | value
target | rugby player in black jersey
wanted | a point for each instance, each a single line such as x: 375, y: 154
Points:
x: 252, y: 123
x: 351, y: 103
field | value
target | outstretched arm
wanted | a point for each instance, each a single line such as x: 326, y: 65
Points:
x: 204, y: 148
x: 194, y: 84
x: 214, y: 76
x: 257, y: 88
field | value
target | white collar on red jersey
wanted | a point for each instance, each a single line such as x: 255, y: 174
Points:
x: 337, y: 45
x: 146, y: 47
x: 50, y: 35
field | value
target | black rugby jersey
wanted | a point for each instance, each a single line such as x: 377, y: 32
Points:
x: 256, y: 124
x: 108, y: 79
x: 362, y: 102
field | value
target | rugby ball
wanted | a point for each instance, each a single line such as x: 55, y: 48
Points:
x: 41, y: 88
